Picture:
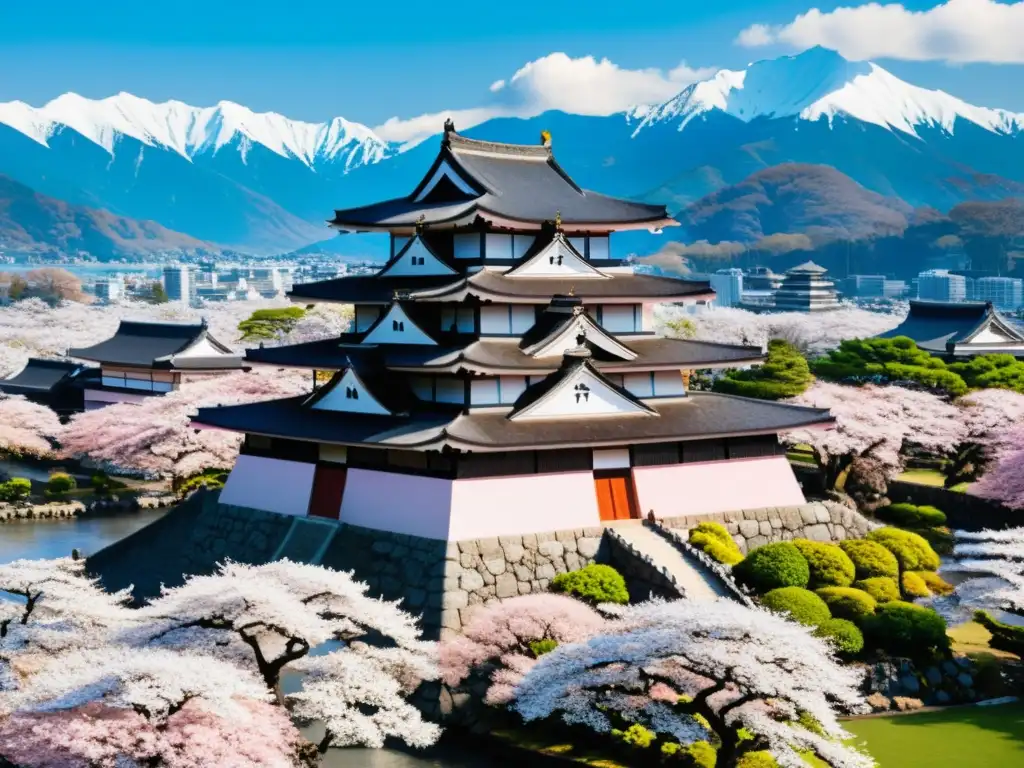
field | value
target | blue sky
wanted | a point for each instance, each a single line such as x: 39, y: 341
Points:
x: 370, y: 61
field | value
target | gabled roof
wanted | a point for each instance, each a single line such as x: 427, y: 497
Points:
x: 555, y: 257
x: 363, y: 386
x: 950, y: 327
x: 416, y: 258
x: 577, y: 383
x: 556, y: 328
x: 396, y: 327
x: 505, y: 183
x: 158, y: 345
x: 808, y: 267
x: 41, y: 376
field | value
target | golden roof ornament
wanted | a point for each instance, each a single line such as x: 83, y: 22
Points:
x: 572, y: 290
x: 558, y: 219
x: 419, y: 223
x: 545, y: 138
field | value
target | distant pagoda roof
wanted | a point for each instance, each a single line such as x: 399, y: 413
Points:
x: 161, y: 345
x: 807, y: 268
x: 41, y: 376
x: 431, y: 426
x: 960, y: 329
x: 505, y: 184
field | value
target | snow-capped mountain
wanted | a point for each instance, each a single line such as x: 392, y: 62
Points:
x: 188, y: 130
x: 820, y: 83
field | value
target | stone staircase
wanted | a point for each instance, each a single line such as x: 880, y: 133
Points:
x: 693, y: 581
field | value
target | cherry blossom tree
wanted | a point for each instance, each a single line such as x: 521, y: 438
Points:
x: 1003, y: 481
x: 156, y: 437
x: 699, y: 671
x: 27, y: 428
x: 503, y: 640
x: 874, y: 423
x: 269, y: 617
x: 988, y: 417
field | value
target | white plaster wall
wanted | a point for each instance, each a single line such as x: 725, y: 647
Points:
x: 611, y: 458
x: 495, y: 319
x: 599, y: 248
x: 273, y: 485
x: 639, y: 384
x: 497, y: 246
x: 337, y: 399
x: 668, y: 383
x: 521, y: 244
x: 523, y: 318
x: 385, y: 501
x: 386, y: 332
x: 512, y: 387
x: 716, y: 486
x: 618, y: 318
x: 505, y: 506
x: 988, y: 336
x: 366, y: 316
x: 467, y: 246
x: 483, y: 392
x: 106, y: 398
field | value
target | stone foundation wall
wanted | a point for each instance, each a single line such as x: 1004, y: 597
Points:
x: 817, y: 521
x: 224, y: 532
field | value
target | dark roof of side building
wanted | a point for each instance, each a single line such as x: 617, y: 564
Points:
x: 514, y: 182
x: 41, y: 376
x: 156, y: 345
x: 941, y: 327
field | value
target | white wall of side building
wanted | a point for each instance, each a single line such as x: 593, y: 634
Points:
x: 716, y: 486
x: 273, y: 485
x: 389, y: 501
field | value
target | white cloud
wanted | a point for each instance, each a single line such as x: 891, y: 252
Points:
x: 583, y: 86
x: 958, y: 31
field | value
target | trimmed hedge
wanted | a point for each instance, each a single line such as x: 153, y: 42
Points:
x: 829, y: 565
x: 912, y: 516
x: 61, y: 482
x: 700, y: 754
x: 1005, y: 637
x: 802, y: 605
x: 883, y: 589
x: 714, y: 540
x: 935, y: 583
x: 845, y: 636
x: 773, y: 566
x: 848, y: 603
x: 870, y: 558
x: 593, y: 584
x: 905, y: 629
x: 635, y: 736
x: 761, y: 758
x: 913, y: 585
x: 912, y: 552
x: 15, y: 489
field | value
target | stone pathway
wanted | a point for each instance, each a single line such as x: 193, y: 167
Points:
x: 690, y: 576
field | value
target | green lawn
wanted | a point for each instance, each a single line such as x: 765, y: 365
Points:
x: 929, y: 477
x: 952, y: 738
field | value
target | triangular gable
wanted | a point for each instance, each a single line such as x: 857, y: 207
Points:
x: 204, y: 346
x: 445, y: 175
x: 395, y: 327
x: 416, y: 258
x: 580, y: 392
x: 993, y: 330
x: 559, y: 341
x: 346, y: 392
x: 556, y: 259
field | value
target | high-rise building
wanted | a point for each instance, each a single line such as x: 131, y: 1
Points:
x: 1006, y: 293
x: 866, y: 286
x: 109, y: 289
x: 728, y: 287
x: 806, y: 289
x: 941, y: 285
x: 180, y: 283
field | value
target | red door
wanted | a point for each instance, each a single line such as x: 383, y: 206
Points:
x: 328, y: 488
x: 615, y: 497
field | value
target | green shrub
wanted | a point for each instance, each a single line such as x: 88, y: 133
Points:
x: 208, y: 478
x: 870, y: 558
x: 539, y: 647
x: 15, y: 489
x: 61, y: 482
x: 940, y: 539
x: 905, y: 629
x: 101, y: 482
x: 883, y: 589
x: 802, y: 605
x: 700, y: 755
x: 785, y: 373
x: 912, y: 552
x: 935, y: 583
x: 635, y: 736
x: 912, y: 516
x: 761, y: 758
x: 715, y: 541
x: 593, y: 584
x: 844, y: 635
x: 848, y: 603
x: 773, y: 566
x: 1005, y: 637
x: 810, y: 722
x: 913, y: 585
x: 830, y: 566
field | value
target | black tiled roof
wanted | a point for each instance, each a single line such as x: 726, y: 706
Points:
x: 40, y: 376
x: 935, y: 325
x: 518, y: 182
x: 152, y: 345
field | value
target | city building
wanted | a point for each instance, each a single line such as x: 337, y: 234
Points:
x: 502, y: 376
x: 806, y: 289
x: 762, y: 279
x: 180, y: 283
x: 109, y: 289
x: 144, y: 359
x: 1005, y: 293
x: 941, y: 285
x: 959, y: 329
x: 57, y: 384
x: 865, y: 286
x: 728, y: 287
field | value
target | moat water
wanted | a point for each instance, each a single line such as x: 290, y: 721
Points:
x: 46, y: 539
